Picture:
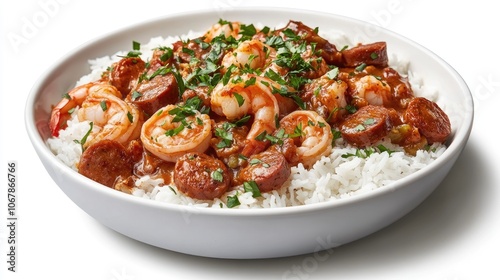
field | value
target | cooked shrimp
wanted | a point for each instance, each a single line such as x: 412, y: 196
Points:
x: 112, y: 117
x: 100, y: 103
x: 169, y: 139
x: 372, y: 91
x: 251, y: 54
x: 248, y: 95
x: 327, y: 97
x: 311, y: 133
x: 61, y: 112
x: 226, y: 28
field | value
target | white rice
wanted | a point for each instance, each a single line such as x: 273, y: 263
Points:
x: 331, y: 178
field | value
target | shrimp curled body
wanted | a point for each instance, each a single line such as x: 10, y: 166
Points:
x: 328, y: 97
x: 61, y: 113
x: 113, y: 118
x: 226, y: 29
x: 251, y: 54
x: 239, y: 98
x: 169, y: 139
x: 101, y: 104
x: 373, y: 91
x: 311, y: 133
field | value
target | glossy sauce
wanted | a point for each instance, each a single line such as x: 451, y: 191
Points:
x: 366, y: 100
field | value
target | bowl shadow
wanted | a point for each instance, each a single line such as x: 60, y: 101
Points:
x: 440, y: 221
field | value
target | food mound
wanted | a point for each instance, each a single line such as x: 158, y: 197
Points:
x: 242, y: 112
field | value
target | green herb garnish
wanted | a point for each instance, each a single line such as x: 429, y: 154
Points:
x: 233, y: 201
x: 217, y: 175
x: 104, y: 106
x: 84, y: 138
x: 251, y: 186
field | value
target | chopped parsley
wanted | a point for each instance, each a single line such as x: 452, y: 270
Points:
x: 369, y: 121
x: 261, y: 136
x: 167, y: 53
x: 217, y: 175
x: 84, y: 138
x: 368, y: 151
x: 360, y: 67
x: 225, y: 135
x: 251, y: 186
x: 135, y: 52
x: 383, y: 148
x: 247, y: 31
x: 174, y: 131
x: 189, y: 108
x: 135, y: 95
x: 255, y: 161
x: 160, y: 71
x: 242, y: 121
x: 298, y: 131
x: 227, y: 75
x: 333, y: 74
x: 233, y: 201
x: 104, y: 106
x: 172, y: 189
x: 278, y: 137
x: 250, y: 82
x: 360, y: 127
x: 239, y: 99
x: 336, y: 135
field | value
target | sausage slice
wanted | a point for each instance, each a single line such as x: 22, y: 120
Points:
x: 328, y: 51
x: 125, y: 73
x: 429, y: 118
x: 151, y: 95
x: 370, y: 54
x: 268, y: 169
x: 368, y: 125
x: 201, y: 176
x: 105, y: 162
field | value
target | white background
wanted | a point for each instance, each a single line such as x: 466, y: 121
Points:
x: 453, y: 235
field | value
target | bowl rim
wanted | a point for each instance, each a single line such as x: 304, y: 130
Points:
x: 460, y: 134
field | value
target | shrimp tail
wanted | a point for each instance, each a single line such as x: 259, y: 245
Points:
x: 61, y: 112
x: 54, y: 123
x: 58, y: 121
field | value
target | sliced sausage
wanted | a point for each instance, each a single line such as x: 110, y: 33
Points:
x: 327, y: 50
x: 289, y: 150
x: 151, y: 95
x: 370, y: 54
x: 193, y: 49
x: 429, y: 118
x: 105, y: 162
x: 201, y: 176
x: 125, y: 73
x: 268, y: 169
x: 368, y: 125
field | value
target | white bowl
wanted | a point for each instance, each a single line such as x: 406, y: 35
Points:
x: 249, y: 233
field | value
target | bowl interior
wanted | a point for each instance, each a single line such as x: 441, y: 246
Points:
x: 454, y: 97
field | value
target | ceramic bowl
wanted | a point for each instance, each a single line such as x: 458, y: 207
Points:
x: 249, y: 233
